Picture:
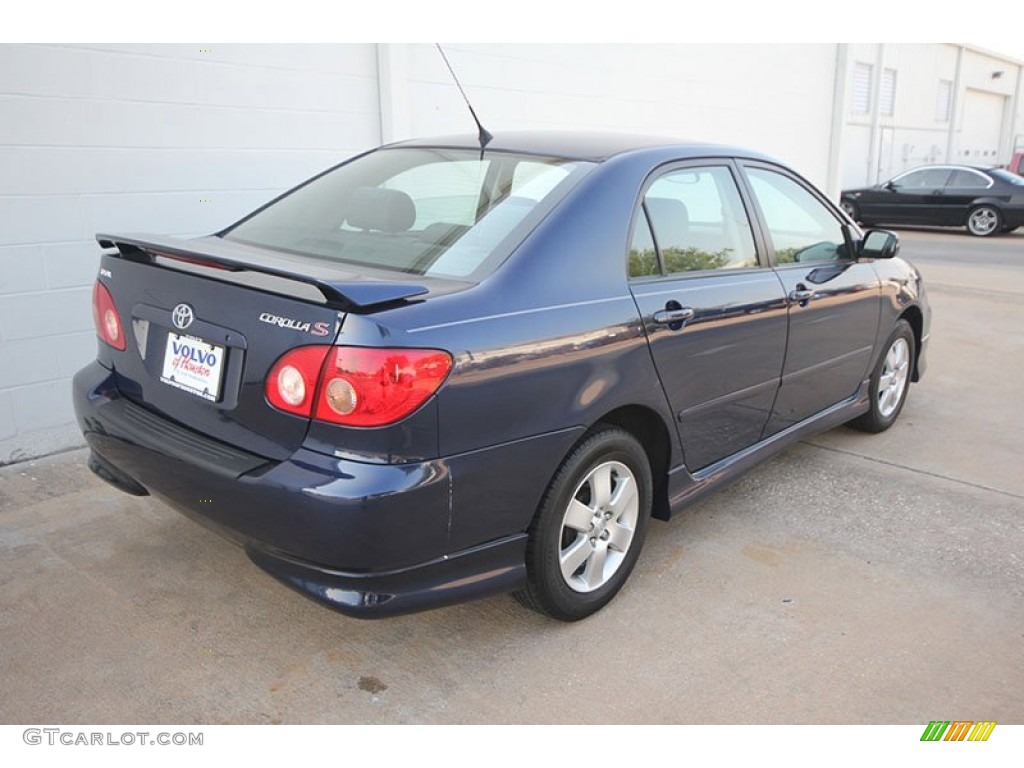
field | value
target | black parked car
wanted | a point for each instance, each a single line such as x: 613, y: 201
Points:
x: 988, y: 201
x: 437, y: 371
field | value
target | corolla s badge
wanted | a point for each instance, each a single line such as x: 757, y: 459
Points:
x: 317, y: 329
x: 182, y: 316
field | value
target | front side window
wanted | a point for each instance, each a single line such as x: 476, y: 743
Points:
x: 926, y: 178
x: 698, y: 222
x: 424, y: 211
x: 802, y: 229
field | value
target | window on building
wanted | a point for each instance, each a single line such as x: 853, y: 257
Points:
x: 862, y: 88
x: 944, y: 105
x: 887, y: 92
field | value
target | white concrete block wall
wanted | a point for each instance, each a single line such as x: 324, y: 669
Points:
x: 172, y: 139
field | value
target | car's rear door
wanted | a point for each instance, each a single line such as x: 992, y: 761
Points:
x: 834, y: 300
x: 962, y: 188
x: 713, y: 310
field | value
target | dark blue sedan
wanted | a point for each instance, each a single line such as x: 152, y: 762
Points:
x: 436, y: 371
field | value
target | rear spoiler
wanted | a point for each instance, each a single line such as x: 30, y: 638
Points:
x: 353, y: 295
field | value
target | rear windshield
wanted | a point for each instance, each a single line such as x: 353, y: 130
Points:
x: 1012, y: 178
x: 424, y: 211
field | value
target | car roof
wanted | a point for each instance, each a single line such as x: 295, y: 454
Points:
x: 581, y: 145
x: 954, y: 166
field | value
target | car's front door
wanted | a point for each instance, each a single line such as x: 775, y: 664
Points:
x: 834, y: 300
x: 911, y: 198
x: 713, y: 310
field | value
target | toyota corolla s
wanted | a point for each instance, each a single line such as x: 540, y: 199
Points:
x: 439, y: 371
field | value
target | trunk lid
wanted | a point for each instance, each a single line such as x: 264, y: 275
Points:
x: 205, y: 320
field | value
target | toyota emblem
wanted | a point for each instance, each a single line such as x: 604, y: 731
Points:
x: 182, y: 316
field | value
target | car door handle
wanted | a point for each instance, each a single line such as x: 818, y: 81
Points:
x: 801, y: 295
x: 670, y: 316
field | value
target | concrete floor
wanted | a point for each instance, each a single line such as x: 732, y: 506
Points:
x: 853, y: 579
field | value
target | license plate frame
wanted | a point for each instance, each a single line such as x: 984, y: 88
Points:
x: 194, y: 365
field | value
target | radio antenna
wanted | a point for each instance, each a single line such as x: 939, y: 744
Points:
x: 485, y: 135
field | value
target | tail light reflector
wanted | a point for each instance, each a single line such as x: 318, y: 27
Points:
x: 292, y: 382
x: 106, y: 317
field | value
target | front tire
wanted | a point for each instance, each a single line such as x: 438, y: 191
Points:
x: 890, y: 381
x: 590, y: 526
x: 984, y: 221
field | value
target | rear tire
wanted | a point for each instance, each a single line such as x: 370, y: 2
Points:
x: 890, y: 381
x: 984, y: 221
x: 590, y: 527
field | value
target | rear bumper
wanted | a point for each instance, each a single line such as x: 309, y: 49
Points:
x: 1013, y: 217
x: 365, y: 539
x: 489, y: 569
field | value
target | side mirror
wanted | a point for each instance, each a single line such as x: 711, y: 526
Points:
x: 879, y: 244
x: 890, y: 186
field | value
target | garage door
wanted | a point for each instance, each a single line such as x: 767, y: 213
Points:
x: 980, y: 127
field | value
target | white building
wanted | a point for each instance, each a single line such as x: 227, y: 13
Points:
x: 183, y: 140
x: 909, y: 105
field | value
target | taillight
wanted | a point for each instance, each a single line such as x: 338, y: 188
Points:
x: 106, y: 318
x: 356, y: 386
x: 371, y: 387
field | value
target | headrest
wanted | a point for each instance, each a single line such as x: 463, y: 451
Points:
x: 670, y: 219
x: 388, y: 210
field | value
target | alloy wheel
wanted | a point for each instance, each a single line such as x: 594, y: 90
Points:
x: 983, y: 221
x: 598, y: 526
x: 893, y: 380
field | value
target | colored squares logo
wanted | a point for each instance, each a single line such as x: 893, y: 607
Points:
x: 958, y: 730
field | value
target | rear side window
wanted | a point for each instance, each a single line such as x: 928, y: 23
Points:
x: 643, y: 256
x: 964, y: 179
x: 437, y: 212
x: 698, y: 223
